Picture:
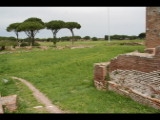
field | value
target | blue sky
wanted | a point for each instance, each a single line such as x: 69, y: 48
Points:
x: 94, y: 21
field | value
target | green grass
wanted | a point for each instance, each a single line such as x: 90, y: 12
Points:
x: 25, y: 99
x: 66, y: 76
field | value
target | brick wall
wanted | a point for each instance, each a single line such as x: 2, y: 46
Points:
x: 100, y: 73
x: 136, y: 75
x: 155, y: 103
x: 136, y: 61
x: 152, y: 27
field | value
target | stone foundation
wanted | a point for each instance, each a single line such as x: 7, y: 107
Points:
x: 136, y: 75
x: 135, y: 95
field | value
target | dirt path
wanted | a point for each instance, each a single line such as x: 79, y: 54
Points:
x: 41, y: 97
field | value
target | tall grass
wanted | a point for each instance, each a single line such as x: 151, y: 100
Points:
x: 66, y: 77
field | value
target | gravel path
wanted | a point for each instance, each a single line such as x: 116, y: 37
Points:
x: 41, y: 97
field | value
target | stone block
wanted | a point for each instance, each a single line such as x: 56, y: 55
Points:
x: 150, y: 50
x: 10, y: 102
x: 157, y: 51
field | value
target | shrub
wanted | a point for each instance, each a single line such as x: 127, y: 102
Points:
x: 4, y: 43
x: 23, y: 44
x: 94, y: 39
x: 36, y: 44
x: 86, y: 37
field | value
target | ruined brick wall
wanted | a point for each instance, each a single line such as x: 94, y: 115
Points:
x: 141, y: 86
x: 135, y: 95
x: 152, y: 27
x: 135, y: 61
x: 100, y: 75
x: 135, y: 74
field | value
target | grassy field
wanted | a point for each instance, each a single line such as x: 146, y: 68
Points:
x: 66, y: 77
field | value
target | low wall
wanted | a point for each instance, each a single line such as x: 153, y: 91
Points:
x: 100, y: 75
x: 136, y: 75
x: 135, y: 61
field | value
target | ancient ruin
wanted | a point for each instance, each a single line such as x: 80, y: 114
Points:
x: 136, y: 75
x: 9, y: 103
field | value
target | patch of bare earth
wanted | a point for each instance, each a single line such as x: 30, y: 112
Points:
x: 74, y: 47
x: 41, y: 97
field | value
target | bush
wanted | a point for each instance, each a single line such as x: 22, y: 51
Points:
x: 4, y: 43
x: 7, y: 43
x: 23, y: 44
x: 94, y: 39
x: 86, y: 37
x: 36, y: 44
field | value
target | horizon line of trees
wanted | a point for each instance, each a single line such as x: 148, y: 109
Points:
x: 126, y: 37
x: 12, y: 41
x: 76, y: 38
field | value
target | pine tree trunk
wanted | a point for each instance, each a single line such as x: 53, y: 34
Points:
x: 72, y: 36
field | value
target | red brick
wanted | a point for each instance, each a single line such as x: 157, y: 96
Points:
x: 152, y: 27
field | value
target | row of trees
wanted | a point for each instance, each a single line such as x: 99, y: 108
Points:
x: 123, y: 37
x: 31, y: 27
x: 76, y: 38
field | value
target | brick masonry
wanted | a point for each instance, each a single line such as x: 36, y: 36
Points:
x: 136, y: 75
x: 136, y: 61
x: 152, y: 27
x: 100, y: 74
x: 136, y: 96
